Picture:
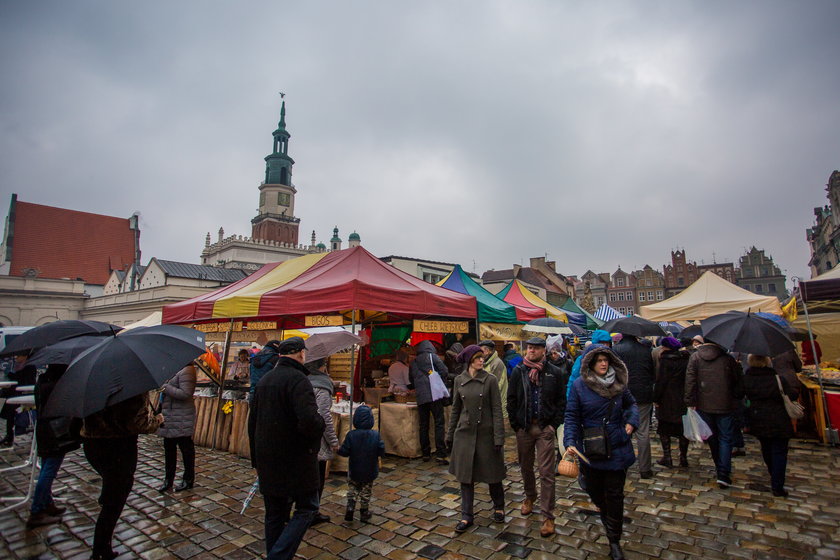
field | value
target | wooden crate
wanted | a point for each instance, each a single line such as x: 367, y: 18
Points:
x: 339, y: 366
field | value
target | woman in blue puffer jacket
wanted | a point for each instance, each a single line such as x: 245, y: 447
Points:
x: 601, y: 394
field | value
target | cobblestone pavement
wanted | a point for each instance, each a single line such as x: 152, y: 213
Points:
x: 680, y: 513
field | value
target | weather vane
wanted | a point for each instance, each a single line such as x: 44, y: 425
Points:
x: 282, y: 95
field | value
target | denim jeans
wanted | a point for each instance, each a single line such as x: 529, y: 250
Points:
x: 282, y: 534
x: 720, y: 444
x: 775, y: 452
x: 43, y: 488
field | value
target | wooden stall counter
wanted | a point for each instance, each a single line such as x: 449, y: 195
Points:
x: 373, y: 395
x: 399, y: 426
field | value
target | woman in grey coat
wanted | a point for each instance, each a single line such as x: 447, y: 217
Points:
x: 324, y: 390
x: 477, y: 435
x: 178, y: 409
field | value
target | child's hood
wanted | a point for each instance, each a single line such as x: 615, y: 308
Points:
x: 363, y: 418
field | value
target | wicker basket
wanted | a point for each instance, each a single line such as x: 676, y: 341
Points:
x: 568, y: 465
x: 400, y: 398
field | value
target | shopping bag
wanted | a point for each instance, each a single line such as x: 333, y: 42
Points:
x: 439, y: 390
x: 694, y: 427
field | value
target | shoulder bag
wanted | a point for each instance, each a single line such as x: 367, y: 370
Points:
x: 794, y: 409
x: 596, y: 440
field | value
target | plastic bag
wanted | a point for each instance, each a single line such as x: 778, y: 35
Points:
x: 439, y: 390
x: 694, y: 427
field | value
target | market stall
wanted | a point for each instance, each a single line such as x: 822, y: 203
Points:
x: 709, y: 295
x: 517, y: 294
x: 350, y: 287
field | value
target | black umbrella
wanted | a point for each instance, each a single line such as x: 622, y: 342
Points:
x: 674, y: 329
x: 65, y: 351
x: 547, y: 325
x: 635, y: 326
x: 55, y: 332
x: 122, y: 367
x: 746, y: 333
x: 691, y: 331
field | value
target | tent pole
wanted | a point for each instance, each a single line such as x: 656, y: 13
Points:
x: 353, y: 369
x: 831, y: 436
x: 222, y: 374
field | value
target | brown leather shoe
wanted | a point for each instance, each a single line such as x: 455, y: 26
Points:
x: 527, y: 506
x: 547, y: 528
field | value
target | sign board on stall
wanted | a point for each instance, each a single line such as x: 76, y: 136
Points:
x: 501, y: 331
x: 217, y: 327
x: 323, y: 320
x: 262, y: 325
x: 423, y: 325
x: 260, y: 337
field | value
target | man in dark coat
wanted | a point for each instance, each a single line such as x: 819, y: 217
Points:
x: 424, y: 366
x: 714, y: 385
x: 263, y: 362
x: 536, y: 404
x: 285, y: 431
x: 639, y: 361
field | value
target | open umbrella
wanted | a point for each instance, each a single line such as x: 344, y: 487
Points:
x: 55, y: 332
x: 747, y: 333
x: 547, y: 325
x: 65, y: 351
x: 674, y: 329
x: 635, y: 326
x: 321, y: 345
x: 123, y: 366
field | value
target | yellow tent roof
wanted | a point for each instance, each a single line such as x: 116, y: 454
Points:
x: 709, y: 295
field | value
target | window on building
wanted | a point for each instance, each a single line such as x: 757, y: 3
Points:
x: 612, y: 297
x: 262, y: 199
x: 599, y: 301
x: 641, y: 296
x: 629, y: 296
x: 680, y: 281
x: 658, y: 295
x: 772, y: 288
x: 759, y: 288
x: 650, y: 296
x: 620, y: 296
x: 284, y: 199
x: 619, y: 282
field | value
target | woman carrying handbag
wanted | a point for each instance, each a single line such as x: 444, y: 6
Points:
x: 768, y: 419
x: 601, y: 415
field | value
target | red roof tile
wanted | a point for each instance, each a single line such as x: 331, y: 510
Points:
x: 62, y: 243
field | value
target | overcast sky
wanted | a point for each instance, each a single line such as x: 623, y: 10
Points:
x: 474, y: 132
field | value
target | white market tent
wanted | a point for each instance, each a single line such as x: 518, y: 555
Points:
x: 709, y: 295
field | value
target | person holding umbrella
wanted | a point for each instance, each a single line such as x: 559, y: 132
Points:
x: 110, y: 446
x: 178, y: 408
x: 768, y: 418
x: 55, y: 438
x: 713, y: 386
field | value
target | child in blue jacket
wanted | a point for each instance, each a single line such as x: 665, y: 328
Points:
x: 364, y: 447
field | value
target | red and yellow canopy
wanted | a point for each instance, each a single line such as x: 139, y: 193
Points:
x: 517, y: 294
x: 324, y: 283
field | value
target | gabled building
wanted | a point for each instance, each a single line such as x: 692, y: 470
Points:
x: 591, y: 290
x: 541, y: 278
x: 759, y: 274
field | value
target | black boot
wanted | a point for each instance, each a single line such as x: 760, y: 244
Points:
x: 351, y: 509
x: 683, y: 452
x: 184, y: 485
x: 666, y: 460
x: 615, y: 551
x: 166, y: 487
x: 364, y: 515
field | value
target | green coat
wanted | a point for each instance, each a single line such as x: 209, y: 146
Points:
x: 497, y: 367
x: 476, y: 428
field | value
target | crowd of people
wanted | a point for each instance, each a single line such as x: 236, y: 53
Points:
x: 594, y: 402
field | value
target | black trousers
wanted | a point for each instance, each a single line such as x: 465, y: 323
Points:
x: 497, y: 494
x: 606, y: 489
x: 170, y: 455
x: 322, y: 476
x: 435, y: 408
x: 115, y: 460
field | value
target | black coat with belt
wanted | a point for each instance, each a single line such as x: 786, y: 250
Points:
x: 285, y: 431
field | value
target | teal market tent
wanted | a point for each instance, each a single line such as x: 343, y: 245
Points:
x: 579, y: 316
x: 491, y: 309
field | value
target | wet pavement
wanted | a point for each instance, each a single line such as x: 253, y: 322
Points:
x: 680, y: 513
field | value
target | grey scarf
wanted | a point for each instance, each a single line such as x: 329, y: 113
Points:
x: 608, y: 378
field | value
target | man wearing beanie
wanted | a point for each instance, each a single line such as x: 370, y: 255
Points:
x: 536, y: 405
x: 285, y: 431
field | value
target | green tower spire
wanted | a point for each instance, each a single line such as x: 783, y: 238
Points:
x: 278, y: 164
